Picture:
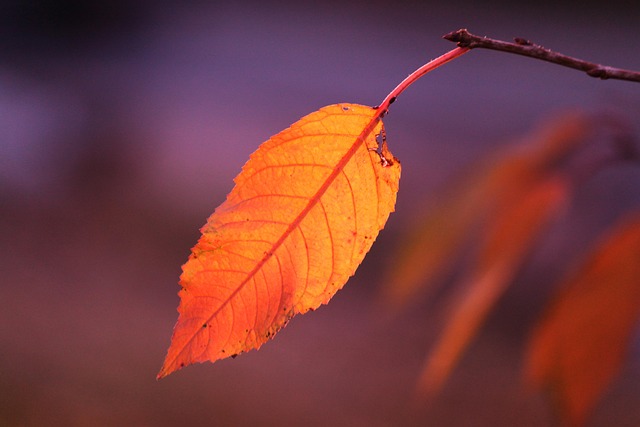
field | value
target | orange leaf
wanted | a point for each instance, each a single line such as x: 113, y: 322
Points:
x: 305, y: 210
x: 580, y: 343
x: 429, y: 247
x: 506, y: 243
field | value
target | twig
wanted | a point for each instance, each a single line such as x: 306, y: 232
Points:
x: 526, y: 48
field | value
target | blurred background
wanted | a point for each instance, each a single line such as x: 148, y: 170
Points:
x: 122, y: 125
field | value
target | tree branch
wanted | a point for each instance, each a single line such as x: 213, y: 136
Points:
x: 526, y: 48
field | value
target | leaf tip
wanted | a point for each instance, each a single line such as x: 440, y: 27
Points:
x: 166, y: 371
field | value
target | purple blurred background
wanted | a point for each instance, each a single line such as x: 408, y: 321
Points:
x: 123, y: 125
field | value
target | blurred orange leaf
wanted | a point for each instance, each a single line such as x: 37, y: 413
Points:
x: 580, y: 343
x: 429, y: 246
x: 305, y: 210
x: 505, y: 244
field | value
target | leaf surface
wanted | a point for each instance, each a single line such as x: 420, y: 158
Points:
x: 304, y: 211
x: 580, y: 343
